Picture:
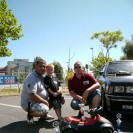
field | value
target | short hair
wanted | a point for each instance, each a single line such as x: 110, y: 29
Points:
x: 37, y: 60
x: 49, y: 65
x: 77, y: 62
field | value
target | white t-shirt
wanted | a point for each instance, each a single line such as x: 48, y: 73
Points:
x: 32, y: 84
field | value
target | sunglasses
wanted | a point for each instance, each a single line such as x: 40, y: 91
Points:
x: 77, y: 67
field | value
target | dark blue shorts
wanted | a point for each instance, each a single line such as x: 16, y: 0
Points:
x: 56, y: 104
x: 75, y: 102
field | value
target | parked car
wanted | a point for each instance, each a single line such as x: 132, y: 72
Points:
x: 116, y: 79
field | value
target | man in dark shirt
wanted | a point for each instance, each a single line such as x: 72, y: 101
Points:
x: 83, y: 87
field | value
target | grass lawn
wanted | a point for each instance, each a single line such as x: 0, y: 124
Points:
x: 17, y: 91
x: 9, y: 92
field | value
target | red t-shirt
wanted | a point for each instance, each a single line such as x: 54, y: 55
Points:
x: 80, y: 85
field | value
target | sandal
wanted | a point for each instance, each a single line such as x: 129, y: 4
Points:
x: 48, y: 117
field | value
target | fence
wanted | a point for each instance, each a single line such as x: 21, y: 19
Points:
x: 10, y: 89
x: 12, y: 84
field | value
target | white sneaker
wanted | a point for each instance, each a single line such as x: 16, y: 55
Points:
x: 30, y: 120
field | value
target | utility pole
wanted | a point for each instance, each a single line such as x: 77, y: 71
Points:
x: 92, y: 52
x: 69, y: 59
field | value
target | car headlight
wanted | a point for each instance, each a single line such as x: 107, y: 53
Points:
x: 129, y: 89
x: 109, y: 89
x: 118, y: 89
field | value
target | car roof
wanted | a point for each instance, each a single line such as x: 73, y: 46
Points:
x: 120, y: 61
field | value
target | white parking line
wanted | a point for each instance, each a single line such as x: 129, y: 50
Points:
x: 8, y: 105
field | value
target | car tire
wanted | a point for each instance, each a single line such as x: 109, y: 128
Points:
x: 106, y: 130
x: 69, y: 131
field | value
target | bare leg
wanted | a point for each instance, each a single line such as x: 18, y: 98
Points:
x: 96, y: 101
x: 58, y: 113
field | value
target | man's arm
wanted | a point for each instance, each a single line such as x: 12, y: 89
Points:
x: 76, y: 96
x: 90, y: 89
x: 35, y: 97
x: 52, y: 92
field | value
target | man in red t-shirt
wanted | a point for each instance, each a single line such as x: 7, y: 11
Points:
x: 84, y: 88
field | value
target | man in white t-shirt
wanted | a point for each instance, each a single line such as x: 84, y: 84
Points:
x: 34, y: 93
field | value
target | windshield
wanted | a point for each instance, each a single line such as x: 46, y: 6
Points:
x: 115, y: 67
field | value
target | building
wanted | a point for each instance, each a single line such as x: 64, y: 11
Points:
x: 19, y: 66
x: 2, y: 71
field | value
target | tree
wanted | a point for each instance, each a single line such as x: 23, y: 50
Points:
x: 9, y: 28
x: 69, y: 74
x: 108, y: 39
x: 128, y: 50
x: 58, y: 70
x: 98, y: 62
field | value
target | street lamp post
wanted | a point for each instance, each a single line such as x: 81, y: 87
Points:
x: 17, y: 66
x: 92, y: 52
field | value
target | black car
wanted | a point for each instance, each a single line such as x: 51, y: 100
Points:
x: 116, y: 79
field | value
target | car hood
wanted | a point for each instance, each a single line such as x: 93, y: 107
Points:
x: 120, y: 79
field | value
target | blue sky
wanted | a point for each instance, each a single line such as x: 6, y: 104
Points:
x: 53, y: 27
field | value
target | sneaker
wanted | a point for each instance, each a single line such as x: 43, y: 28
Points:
x: 30, y: 120
x: 60, y: 120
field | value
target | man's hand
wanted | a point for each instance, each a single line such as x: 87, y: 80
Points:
x: 85, y: 94
x: 46, y: 103
x: 58, y: 92
x: 55, y: 94
x: 82, y: 100
x: 36, y: 98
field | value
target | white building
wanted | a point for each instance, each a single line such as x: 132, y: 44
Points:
x: 19, y: 65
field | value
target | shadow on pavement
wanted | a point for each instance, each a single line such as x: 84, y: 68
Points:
x: 126, y: 122
x: 23, y: 127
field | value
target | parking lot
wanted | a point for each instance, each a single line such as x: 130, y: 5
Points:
x: 13, y: 118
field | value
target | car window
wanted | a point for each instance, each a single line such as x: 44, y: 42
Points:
x: 120, y: 66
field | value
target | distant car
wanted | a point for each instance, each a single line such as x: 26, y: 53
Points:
x: 116, y: 79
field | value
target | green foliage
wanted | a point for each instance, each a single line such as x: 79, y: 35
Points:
x: 69, y: 74
x: 11, y: 91
x: 58, y: 69
x: 22, y: 77
x: 9, y: 28
x: 108, y: 39
x: 123, y: 57
x: 98, y: 62
x: 128, y: 50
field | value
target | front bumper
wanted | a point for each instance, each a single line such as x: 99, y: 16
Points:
x: 119, y: 104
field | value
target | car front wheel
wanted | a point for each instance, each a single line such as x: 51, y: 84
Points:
x: 106, y: 130
x: 69, y: 131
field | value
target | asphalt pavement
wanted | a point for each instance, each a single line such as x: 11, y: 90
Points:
x: 13, y: 117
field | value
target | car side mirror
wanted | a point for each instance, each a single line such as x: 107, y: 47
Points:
x: 101, y: 73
